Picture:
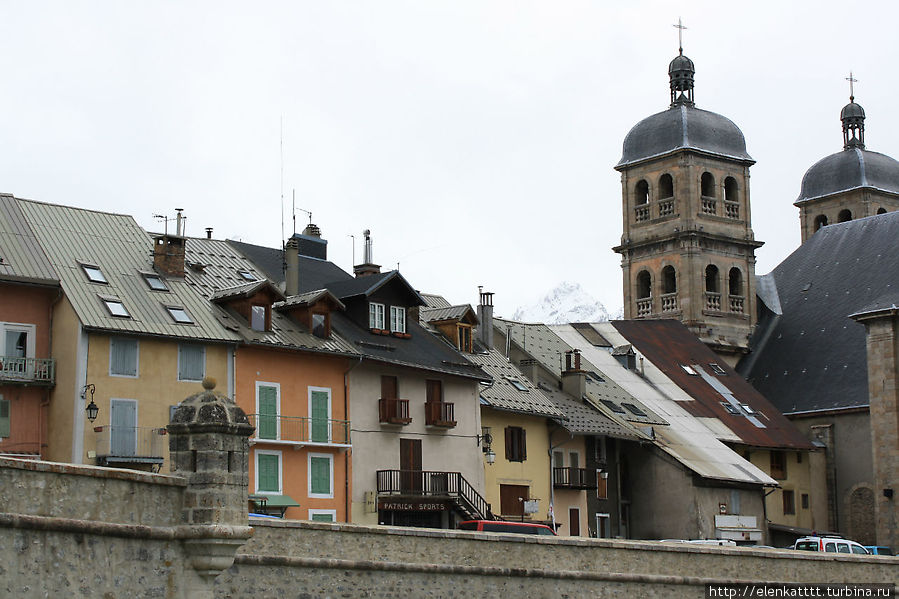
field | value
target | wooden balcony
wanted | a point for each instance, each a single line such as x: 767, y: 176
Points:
x: 27, y: 371
x: 394, y: 411
x: 300, y: 431
x: 440, y: 413
x: 573, y: 478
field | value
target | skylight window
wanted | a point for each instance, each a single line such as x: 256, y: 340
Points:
x: 634, y: 409
x: 116, y: 308
x: 155, y: 282
x: 748, y: 409
x: 94, y: 274
x: 689, y: 370
x: 730, y: 408
x: 613, y: 406
x: 595, y: 377
x: 179, y: 315
x: 246, y: 275
x: 517, y: 384
x: 717, y: 369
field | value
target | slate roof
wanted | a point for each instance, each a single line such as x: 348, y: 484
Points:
x: 670, y: 346
x: 21, y: 257
x: 853, y: 168
x: 220, y: 279
x: 364, y: 285
x: 683, y: 127
x: 503, y: 395
x: 697, y: 443
x: 842, y: 269
x: 122, y: 250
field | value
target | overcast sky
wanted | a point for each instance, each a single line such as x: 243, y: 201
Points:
x: 476, y: 139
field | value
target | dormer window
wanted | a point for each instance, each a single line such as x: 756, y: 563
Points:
x: 155, y: 282
x: 94, y: 274
x: 464, y: 332
x: 258, y: 318
x: 375, y: 315
x: 321, y: 325
x: 397, y: 319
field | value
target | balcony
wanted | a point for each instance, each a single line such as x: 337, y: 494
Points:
x: 450, y: 486
x: 644, y: 307
x: 572, y: 478
x: 641, y: 213
x: 669, y: 302
x: 709, y: 205
x: 736, y: 304
x: 666, y: 207
x: 712, y: 301
x: 440, y: 413
x: 28, y: 371
x: 394, y: 411
x: 300, y: 431
x: 130, y: 445
x: 732, y: 209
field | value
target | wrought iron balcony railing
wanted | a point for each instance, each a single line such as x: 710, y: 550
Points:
x: 41, y: 371
x: 295, y: 430
x: 129, y: 445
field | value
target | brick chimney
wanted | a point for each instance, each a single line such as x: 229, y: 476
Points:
x: 574, y: 380
x: 485, y: 317
x: 367, y: 267
x: 168, y: 250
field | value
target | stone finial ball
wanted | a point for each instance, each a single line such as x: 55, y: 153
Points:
x: 208, y: 383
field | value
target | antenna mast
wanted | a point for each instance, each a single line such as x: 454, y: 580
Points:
x: 282, y: 181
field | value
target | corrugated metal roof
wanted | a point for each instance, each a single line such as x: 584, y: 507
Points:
x: 21, y: 256
x: 220, y: 277
x: 503, y: 393
x: 686, y: 438
x: 122, y: 250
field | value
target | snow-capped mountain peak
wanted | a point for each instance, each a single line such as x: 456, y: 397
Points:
x: 567, y: 302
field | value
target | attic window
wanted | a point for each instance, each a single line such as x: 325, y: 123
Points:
x: 464, y: 332
x: 717, y: 369
x: 321, y: 326
x: 595, y: 377
x: 517, y: 384
x: 397, y: 319
x: 613, y: 406
x: 258, y: 318
x: 246, y: 275
x: 634, y: 409
x: 748, y: 409
x: 375, y: 315
x: 155, y: 282
x: 689, y: 370
x: 179, y: 315
x: 116, y: 307
x: 94, y: 274
x: 730, y: 408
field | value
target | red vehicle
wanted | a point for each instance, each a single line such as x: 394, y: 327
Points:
x: 522, y: 528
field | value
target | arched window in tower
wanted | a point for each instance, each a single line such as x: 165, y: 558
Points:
x: 707, y: 191
x: 712, y: 292
x: 735, y: 290
x: 844, y: 216
x: 669, y: 289
x: 644, y: 293
x: 881, y: 210
x: 666, y: 195
x: 820, y: 221
x: 641, y: 201
x: 731, y: 198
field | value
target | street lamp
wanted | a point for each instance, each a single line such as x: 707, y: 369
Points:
x: 91, y: 409
x: 487, y: 438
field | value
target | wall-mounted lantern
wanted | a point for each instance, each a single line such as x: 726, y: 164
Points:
x: 487, y: 439
x: 92, y: 410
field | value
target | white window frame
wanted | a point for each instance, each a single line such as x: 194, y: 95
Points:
x: 397, y: 314
x: 332, y: 513
x: 277, y: 387
x: 375, y: 315
x: 176, y: 311
x: 202, y: 347
x: 108, y: 302
x: 258, y: 309
x: 309, y: 391
x: 30, y: 331
x: 608, y: 519
x: 85, y: 267
x: 309, y: 492
x: 136, y: 359
x: 277, y: 452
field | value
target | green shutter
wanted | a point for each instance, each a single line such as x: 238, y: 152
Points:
x: 319, y: 401
x: 322, y: 518
x: 268, y: 472
x: 268, y: 413
x: 321, y: 476
x: 4, y: 418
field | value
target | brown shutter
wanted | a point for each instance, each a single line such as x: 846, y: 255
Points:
x: 524, y: 445
x: 509, y: 443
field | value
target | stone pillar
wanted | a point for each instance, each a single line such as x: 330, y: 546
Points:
x: 209, y: 446
x: 883, y: 397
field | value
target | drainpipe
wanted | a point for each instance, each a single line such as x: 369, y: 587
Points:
x: 346, y: 455
x: 618, y: 483
x: 46, y: 403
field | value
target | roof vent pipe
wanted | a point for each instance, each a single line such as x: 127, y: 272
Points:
x: 485, y: 318
x: 367, y: 267
x: 179, y: 222
x: 366, y: 252
x: 208, y: 232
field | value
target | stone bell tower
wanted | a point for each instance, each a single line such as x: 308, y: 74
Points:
x: 688, y: 250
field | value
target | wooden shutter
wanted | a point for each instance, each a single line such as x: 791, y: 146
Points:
x: 435, y: 393
x: 267, y: 476
x: 320, y: 476
x: 4, y: 418
x: 268, y: 413
x: 523, y: 445
x: 320, y: 416
x: 389, y: 387
x: 509, y: 450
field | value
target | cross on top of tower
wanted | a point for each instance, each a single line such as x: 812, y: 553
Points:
x: 680, y: 35
x: 851, y: 81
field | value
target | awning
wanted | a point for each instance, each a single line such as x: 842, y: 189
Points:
x: 274, y: 501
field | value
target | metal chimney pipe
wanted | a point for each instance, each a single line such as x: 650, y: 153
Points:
x: 366, y: 252
x: 208, y: 232
x: 179, y: 222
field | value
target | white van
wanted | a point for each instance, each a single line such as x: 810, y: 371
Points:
x: 829, y: 545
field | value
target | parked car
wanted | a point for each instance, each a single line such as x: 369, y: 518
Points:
x: 878, y: 550
x: 829, y: 545
x: 522, y: 528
